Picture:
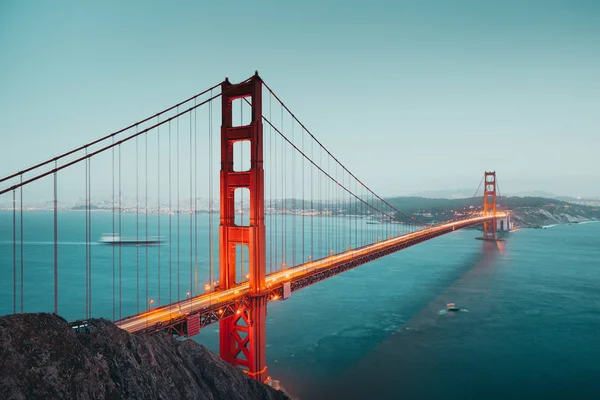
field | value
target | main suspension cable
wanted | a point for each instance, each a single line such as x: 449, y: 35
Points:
x: 331, y: 155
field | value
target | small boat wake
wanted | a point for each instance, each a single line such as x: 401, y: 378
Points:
x: 451, y: 308
x: 549, y: 226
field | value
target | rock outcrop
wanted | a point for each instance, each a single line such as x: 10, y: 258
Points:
x: 41, y: 356
x: 530, y: 217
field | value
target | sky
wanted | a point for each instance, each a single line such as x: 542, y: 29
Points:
x: 411, y: 96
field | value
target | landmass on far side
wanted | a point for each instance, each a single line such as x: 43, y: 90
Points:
x: 526, y: 212
x: 42, y: 357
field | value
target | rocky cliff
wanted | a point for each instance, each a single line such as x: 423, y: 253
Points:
x: 530, y: 217
x: 41, y: 356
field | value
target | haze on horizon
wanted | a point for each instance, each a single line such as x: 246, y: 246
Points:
x: 411, y: 96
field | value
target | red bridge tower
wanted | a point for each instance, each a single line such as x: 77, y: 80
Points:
x: 489, y: 205
x: 242, y: 337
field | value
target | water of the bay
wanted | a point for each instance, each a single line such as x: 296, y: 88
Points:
x: 531, y: 330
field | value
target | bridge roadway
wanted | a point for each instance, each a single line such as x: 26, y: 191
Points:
x: 212, y: 306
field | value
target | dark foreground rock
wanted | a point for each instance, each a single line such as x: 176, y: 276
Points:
x: 41, y: 356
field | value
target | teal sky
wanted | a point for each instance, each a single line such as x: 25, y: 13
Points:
x: 411, y: 95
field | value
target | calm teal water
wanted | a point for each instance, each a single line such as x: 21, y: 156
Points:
x: 532, y: 328
x: 183, y: 259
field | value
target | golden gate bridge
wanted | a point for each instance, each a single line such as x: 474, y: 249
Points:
x: 290, y: 215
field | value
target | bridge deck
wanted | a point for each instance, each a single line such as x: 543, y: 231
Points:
x: 214, y: 306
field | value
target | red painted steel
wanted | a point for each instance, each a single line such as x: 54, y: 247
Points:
x: 193, y: 325
x: 489, y: 205
x: 243, y: 336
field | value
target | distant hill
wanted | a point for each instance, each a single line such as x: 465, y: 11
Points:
x: 526, y: 211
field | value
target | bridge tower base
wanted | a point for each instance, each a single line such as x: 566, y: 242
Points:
x: 242, y: 336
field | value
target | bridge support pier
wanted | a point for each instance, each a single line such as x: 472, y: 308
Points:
x: 243, y: 336
x: 504, y: 224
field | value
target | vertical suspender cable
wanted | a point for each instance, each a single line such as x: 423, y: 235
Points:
x: 112, y: 150
x: 21, y: 243
x: 335, y: 214
x: 338, y: 214
x: 271, y: 169
x: 293, y: 215
x: 349, y: 212
x: 303, y: 194
x: 191, y: 217
x: 210, y: 195
x: 196, y: 196
x: 350, y: 207
x: 120, y: 235
x: 274, y: 171
x: 14, y: 252
x: 327, y: 188
x: 55, y: 242
x: 344, y: 224
x: 137, y: 224
x: 158, y: 204
x: 87, y: 239
x: 382, y: 232
x: 355, y: 212
x: 330, y: 200
x: 90, y: 231
x: 146, y: 207
x: 89, y: 235
x: 362, y: 220
x: 331, y: 196
x: 320, y: 201
x: 340, y: 240
x: 170, y: 227
x: 312, y: 204
x: 334, y: 193
x: 283, y: 193
x: 178, y: 215
x: 371, y: 230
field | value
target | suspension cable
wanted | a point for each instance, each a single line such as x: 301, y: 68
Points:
x: 478, y: 187
x: 111, y: 135
x: 107, y: 147
x: 342, y: 165
x: 324, y: 172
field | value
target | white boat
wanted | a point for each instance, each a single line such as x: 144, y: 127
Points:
x: 116, y: 240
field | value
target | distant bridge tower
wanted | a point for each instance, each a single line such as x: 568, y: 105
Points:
x: 489, y: 205
x: 242, y: 336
